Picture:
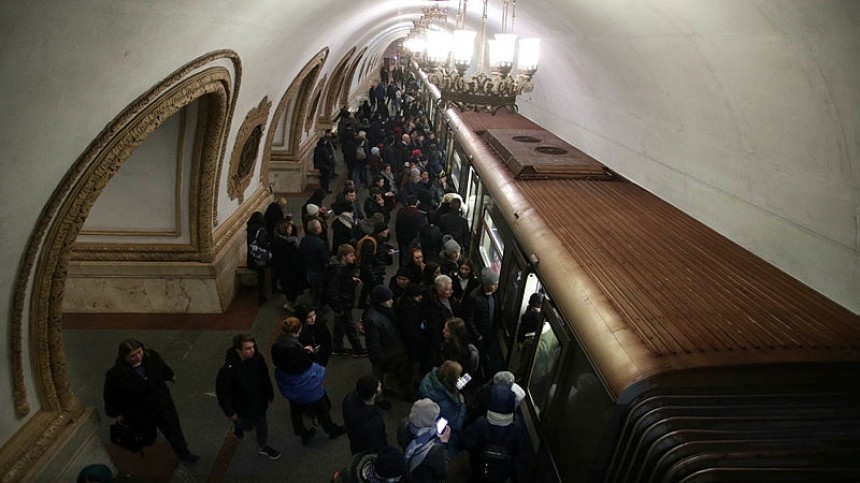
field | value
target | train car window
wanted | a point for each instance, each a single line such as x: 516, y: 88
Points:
x: 472, y: 200
x: 546, y: 358
x: 492, y: 247
x: 456, y: 169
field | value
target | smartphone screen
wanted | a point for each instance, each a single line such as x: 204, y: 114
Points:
x: 441, y: 423
x: 463, y: 380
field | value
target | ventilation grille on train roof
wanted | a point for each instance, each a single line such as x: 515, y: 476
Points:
x: 539, y: 154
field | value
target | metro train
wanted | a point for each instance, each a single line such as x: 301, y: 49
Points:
x: 667, y: 353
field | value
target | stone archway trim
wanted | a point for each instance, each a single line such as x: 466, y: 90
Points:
x: 49, y: 247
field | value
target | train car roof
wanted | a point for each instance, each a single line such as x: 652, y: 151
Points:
x: 648, y: 289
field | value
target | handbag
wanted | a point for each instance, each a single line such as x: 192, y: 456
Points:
x: 126, y: 437
x: 261, y: 256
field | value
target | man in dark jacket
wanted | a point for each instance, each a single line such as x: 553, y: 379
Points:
x: 313, y: 251
x: 364, y: 424
x: 451, y: 223
x: 496, y: 441
x: 409, y: 220
x: 384, y: 344
x: 244, y: 391
x: 483, y: 315
x: 342, y: 281
x: 373, y: 255
x: 323, y: 161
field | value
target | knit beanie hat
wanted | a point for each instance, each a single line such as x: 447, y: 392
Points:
x: 488, y: 276
x: 450, y: 245
x: 424, y: 413
x: 381, y: 294
x: 374, y: 151
x: 500, y: 409
x: 312, y: 209
x: 366, y: 386
x: 389, y: 463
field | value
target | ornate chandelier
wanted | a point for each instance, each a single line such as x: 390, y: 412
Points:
x: 446, y: 56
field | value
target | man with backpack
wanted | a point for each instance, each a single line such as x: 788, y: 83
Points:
x: 495, y: 441
x: 373, y: 254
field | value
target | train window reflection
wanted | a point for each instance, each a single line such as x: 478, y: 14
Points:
x: 546, y: 357
x: 456, y: 169
x: 492, y: 247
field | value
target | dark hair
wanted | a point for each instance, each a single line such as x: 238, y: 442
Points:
x: 429, y: 272
x: 127, y: 346
x: 302, y: 311
x: 240, y: 339
x: 256, y: 218
x: 466, y: 261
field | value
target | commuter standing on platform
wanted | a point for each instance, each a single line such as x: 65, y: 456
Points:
x: 136, y: 394
x: 342, y: 282
x: 314, y: 334
x: 384, y: 343
x: 314, y: 253
x: 300, y: 381
x: 323, y: 162
x: 483, y: 314
x: 244, y: 391
x: 365, y: 427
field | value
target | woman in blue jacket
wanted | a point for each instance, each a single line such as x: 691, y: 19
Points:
x: 300, y: 380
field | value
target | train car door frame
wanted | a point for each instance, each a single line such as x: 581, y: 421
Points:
x: 541, y: 410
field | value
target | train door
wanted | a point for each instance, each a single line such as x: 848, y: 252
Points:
x: 545, y: 367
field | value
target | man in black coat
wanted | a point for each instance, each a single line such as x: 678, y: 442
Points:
x: 342, y: 282
x: 482, y: 313
x: 324, y: 160
x: 364, y: 424
x: 313, y: 251
x: 384, y: 343
x: 136, y: 394
x: 244, y: 391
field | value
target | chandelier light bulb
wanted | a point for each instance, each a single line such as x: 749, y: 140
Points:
x: 529, y: 54
x: 464, y: 46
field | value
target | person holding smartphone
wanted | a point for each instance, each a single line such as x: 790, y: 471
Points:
x: 440, y: 386
x: 425, y: 446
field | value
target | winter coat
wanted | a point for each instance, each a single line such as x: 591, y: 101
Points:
x: 341, y: 285
x: 476, y: 312
x: 317, y: 335
x: 299, y: 378
x: 314, y: 253
x: 450, y: 405
x: 381, y: 335
x: 435, y: 464
x: 364, y: 424
x: 141, y: 401
x: 244, y: 387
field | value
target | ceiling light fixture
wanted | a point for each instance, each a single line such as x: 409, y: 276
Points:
x: 445, y: 56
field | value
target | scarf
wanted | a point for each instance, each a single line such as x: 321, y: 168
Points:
x: 419, y: 447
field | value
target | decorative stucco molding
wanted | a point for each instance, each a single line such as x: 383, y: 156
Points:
x: 312, y: 67
x: 246, y: 149
x: 42, y: 271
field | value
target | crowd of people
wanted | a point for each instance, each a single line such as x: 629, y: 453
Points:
x: 428, y: 330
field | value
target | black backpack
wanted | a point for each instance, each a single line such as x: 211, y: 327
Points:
x: 495, y: 463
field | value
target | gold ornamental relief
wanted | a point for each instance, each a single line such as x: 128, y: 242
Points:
x: 247, y: 150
